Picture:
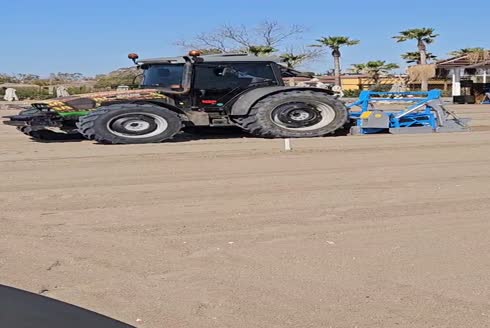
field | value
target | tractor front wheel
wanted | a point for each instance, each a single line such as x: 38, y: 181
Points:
x: 130, y: 124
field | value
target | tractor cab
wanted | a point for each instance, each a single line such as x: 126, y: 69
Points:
x: 209, y: 81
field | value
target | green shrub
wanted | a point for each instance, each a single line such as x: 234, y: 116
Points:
x: 79, y: 90
x: 352, y: 93
x: 30, y: 93
x: 447, y: 93
x: 124, y: 76
x: 381, y: 88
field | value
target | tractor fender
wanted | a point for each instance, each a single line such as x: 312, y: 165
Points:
x: 165, y: 105
x: 162, y: 103
x: 195, y: 118
x: 245, y: 101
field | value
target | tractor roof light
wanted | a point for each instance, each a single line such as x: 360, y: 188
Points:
x: 195, y: 53
x: 133, y: 57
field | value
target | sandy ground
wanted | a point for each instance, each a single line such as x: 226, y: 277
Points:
x: 365, y: 231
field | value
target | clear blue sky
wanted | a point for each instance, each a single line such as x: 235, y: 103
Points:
x: 94, y: 36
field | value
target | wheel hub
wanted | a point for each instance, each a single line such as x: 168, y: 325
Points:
x: 300, y: 115
x: 137, y: 125
x: 296, y: 115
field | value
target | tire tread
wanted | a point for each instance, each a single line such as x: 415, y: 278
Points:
x: 255, y: 124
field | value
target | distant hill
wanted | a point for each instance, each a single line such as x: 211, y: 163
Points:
x: 121, y: 76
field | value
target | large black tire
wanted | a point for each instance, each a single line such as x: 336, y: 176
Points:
x: 295, y: 114
x: 130, y: 124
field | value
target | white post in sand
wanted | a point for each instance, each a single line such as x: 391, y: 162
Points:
x: 287, y: 144
x: 457, y: 81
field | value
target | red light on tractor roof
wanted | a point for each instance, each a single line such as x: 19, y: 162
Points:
x: 133, y: 56
x: 195, y: 53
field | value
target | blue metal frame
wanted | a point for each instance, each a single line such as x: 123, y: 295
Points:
x: 419, y: 114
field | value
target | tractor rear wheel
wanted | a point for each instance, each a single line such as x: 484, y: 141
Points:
x: 130, y: 124
x: 296, y: 114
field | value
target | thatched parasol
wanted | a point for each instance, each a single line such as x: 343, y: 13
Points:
x: 478, y: 56
x: 419, y: 73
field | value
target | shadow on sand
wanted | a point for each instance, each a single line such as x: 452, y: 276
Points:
x: 207, y: 133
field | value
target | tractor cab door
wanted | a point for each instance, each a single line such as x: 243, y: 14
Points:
x: 217, y: 83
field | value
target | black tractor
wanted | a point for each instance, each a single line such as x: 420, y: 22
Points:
x: 190, y: 92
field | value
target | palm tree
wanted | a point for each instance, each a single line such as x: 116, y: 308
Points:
x: 291, y: 59
x: 466, y: 51
x: 335, y: 43
x: 423, y: 36
x: 375, y: 69
x: 261, y: 50
x: 358, y: 68
x: 414, y: 57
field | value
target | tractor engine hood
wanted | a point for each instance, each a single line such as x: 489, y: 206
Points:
x: 89, y: 101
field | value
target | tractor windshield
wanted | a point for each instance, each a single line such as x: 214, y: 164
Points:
x: 167, y: 76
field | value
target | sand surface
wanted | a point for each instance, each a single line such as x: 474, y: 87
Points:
x: 356, y: 231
